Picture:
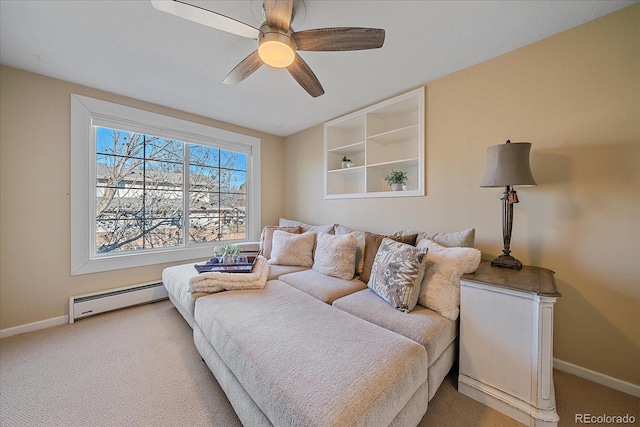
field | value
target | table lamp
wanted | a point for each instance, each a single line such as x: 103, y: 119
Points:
x: 507, y: 166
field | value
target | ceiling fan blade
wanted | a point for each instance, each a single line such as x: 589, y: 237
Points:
x: 278, y: 13
x: 244, y: 69
x: 305, y: 77
x: 206, y: 17
x: 339, y: 38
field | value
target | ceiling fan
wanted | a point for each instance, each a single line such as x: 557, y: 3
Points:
x: 277, y: 42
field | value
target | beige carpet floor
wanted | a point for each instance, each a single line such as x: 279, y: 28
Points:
x: 138, y: 367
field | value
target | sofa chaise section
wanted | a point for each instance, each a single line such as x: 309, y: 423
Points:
x: 176, y: 281
x: 337, y: 370
x: 436, y: 333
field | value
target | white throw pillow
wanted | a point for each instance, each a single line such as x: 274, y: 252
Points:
x: 292, y: 249
x: 440, y: 290
x: 336, y: 255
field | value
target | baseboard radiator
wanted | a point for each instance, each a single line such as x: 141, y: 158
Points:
x: 99, y: 302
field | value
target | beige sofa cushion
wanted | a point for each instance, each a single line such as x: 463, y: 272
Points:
x: 422, y: 325
x: 325, y: 288
x: 335, y: 256
x: 276, y: 271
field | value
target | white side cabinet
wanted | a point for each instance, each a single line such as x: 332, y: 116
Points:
x: 388, y: 135
x: 506, y: 341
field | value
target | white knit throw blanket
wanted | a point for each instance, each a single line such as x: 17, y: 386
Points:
x: 214, y: 281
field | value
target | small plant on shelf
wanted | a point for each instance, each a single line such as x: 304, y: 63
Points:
x: 396, y: 179
x: 346, y: 162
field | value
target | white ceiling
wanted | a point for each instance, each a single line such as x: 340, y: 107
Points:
x: 130, y: 48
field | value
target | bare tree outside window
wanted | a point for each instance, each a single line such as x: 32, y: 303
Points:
x: 140, y: 192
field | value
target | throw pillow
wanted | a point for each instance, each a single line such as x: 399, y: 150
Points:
x: 328, y: 228
x: 372, y: 243
x: 336, y: 255
x: 266, y: 238
x: 464, y: 238
x: 440, y: 289
x: 397, y: 273
x: 292, y: 249
x: 360, y: 239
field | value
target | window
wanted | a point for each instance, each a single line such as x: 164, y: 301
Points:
x: 148, y: 189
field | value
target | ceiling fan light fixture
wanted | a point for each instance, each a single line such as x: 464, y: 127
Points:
x: 276, y: 49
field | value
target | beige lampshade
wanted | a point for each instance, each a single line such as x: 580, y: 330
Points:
x: 508, y: 164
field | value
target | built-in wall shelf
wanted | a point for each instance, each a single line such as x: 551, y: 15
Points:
x: 385, y: 136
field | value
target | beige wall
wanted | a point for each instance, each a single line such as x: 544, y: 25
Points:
x: 576, y: 97
x: 35, y: 280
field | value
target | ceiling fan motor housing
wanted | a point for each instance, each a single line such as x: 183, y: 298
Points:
x: 276, y: 47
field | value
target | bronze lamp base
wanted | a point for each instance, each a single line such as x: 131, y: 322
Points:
x: 506, y: 261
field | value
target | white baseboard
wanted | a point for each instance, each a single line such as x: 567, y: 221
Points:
x: 597, y: 377
x: 30, y: 327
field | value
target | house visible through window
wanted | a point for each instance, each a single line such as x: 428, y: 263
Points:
x: 159, y: 189
x: 140, y: 190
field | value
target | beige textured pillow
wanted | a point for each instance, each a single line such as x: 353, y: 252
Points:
x: 440, y: 289
x: 292, y: 249
x: 336, y: 255
x: 266, y: 238
x: 361, y: 241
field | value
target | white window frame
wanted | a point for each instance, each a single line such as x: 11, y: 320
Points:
x: 88, y: 112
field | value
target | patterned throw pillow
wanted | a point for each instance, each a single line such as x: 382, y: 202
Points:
x: 336, y: 255
x: 292, y: 249
x: 440, y: 289
x: 372, y: 243
x: 397, y: 273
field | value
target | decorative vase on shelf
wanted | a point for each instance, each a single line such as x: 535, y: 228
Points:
x: 405, y: 188
x: 396, y: 187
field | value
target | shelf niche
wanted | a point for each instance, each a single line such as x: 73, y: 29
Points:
x: 385, y: 136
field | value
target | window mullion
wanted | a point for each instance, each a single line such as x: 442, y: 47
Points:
x: 186, y: 196
x: 144, y: 192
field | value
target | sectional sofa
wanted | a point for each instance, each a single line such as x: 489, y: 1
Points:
x: 350, y: 328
